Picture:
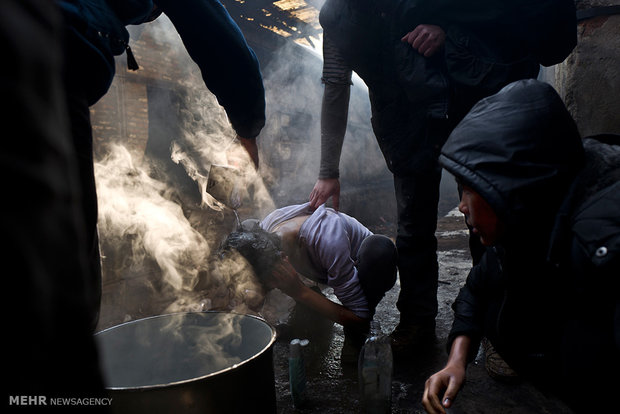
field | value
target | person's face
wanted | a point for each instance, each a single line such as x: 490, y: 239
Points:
x: 480, y: 216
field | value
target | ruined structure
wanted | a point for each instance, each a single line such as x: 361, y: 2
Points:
x: 589, y: 80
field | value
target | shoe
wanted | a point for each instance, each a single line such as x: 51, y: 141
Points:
x: 408, y: 337
x: 496, y: 367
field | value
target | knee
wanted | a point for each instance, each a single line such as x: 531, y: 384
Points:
x: 377, y: 260
x: 378, y: 248
x: 378, y: 256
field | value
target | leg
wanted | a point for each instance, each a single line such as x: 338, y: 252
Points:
x: 410, y: 143
x: 376, y: 268
x: 417, y: 199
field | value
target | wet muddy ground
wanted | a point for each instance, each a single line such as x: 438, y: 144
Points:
x: 332, y: 385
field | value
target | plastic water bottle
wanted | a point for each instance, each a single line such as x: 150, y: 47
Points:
x: 375, y: 372
x: 297, y: 371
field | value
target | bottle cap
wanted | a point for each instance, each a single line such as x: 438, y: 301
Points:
x: 294, y: 349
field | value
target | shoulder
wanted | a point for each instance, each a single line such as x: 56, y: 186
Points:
x: 596, y: 228
x: 595, y: 211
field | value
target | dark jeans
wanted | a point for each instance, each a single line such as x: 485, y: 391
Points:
x: 376, y: 268
x: 410, y: 143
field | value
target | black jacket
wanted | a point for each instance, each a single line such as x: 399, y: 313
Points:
x: 545, y: 29
x: 488, y: 45
x: 547, y: 296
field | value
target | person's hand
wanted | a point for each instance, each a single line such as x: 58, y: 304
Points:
x: 323, y: 190
x: 450, y: 379
x: 252, y: 149
x: 285, y: 278
x: 426, y: 39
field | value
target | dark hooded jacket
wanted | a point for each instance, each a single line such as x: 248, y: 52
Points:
x: 96, y: 33
x: 546, y: 295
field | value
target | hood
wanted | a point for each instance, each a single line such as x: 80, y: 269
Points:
x: 519, y: 149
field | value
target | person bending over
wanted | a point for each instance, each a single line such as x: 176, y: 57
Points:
x: 328, y: 247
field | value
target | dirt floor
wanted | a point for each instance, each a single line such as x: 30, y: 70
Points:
x: 332, y: 385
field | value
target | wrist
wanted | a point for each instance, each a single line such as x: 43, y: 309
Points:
x: 300, y: 293
x: 328, y: 174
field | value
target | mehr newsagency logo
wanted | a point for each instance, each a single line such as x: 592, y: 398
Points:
x: 42, y: 400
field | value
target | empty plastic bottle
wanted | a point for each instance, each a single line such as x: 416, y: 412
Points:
x: 297, y: 371
x: 375, y: 372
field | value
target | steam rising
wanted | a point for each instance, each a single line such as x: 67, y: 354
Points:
x: 157, y: 247
x: 157, y: 242
x: 134, y: 208
x: 179, y: 347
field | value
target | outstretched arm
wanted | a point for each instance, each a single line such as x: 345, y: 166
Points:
x: 228, y: 65
x: 442, y: 387
x: 469, y: 308
x: 286, y: 279
x: 324, y: 188
x: 334, y: 114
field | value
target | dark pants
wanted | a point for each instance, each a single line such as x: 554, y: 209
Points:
x: 376, y: 268
x: 410, y: 143
x: 51, y: 350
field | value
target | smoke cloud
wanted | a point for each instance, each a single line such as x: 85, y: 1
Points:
x: 159, y: 237
x: 179, y: 347
x: 134, y: 212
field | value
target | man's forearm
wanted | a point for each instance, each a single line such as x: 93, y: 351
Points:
x: 229, y: 67
x: 334, y: 116
x: 327, y: 308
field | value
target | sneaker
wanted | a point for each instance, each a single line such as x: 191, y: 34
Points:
x: 496, y: 367
x: 408, y: 337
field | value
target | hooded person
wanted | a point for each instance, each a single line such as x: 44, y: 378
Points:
x: 546, y: 205
x: 425, y: 63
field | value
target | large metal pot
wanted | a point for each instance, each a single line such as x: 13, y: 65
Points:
x: 196, y: 362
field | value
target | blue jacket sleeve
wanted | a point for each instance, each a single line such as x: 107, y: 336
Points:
x: 228, y: 65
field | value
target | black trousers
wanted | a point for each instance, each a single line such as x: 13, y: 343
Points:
x: 410, y: 143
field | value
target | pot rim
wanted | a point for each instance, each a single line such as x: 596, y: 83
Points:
x: 195, y: 379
